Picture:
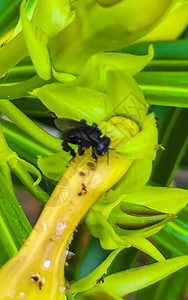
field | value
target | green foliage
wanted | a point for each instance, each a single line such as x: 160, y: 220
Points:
x: 72, y: 66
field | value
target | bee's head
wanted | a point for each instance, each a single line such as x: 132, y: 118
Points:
x: 103, y: 145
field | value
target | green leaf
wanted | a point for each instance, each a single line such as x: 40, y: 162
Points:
x: 174, y: 235
x: 17, y: 225
x: 173, y: 136
x: 162, y: 78
x: 165, y: 95
x: 169, y: 288
x: 7, y: 243
x: 164, y: 50
x: 125, y: 282
x: 9, y: 12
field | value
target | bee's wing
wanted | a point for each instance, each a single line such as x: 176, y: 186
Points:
x: 65, y: 124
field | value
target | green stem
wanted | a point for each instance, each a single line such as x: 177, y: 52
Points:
x: 24, y: 145
x: 5, y: 150
x: 28, y: 182
x: 21, y: 89
x: 21, y: 120
x: 5, y: 170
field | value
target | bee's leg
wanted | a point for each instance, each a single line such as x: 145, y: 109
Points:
x: 81, y: 150
x: 83, y: 122
x: 108, y: 157
x: 94, y: 125
x: 67, y: 148
x: 94, y: 153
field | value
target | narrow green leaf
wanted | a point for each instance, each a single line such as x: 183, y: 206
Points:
x: 125, y: 282
x: 170, y: 288
x: 174, y: 236
x: 162, y: 78
x: 168, y: 50
x: 9, y: 14
x: 7, y: 242
x: 13, y: 215
x: 165, y: 95
x: 167, y: 65
x: 173, y: 136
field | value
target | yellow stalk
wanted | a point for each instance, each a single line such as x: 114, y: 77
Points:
x: 37, y: 271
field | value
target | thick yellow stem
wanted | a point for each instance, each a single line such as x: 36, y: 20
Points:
x: 37, y: 271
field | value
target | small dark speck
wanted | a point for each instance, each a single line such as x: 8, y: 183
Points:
x: 84, y: 189
x: 35, y: 277
x: 92, y: 166
x: 67, y: 287
x: 100, y: 280
x: 82, y: 174
x: 40, y: 285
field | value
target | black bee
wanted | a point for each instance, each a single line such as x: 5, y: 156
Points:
x: 83, y: 135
